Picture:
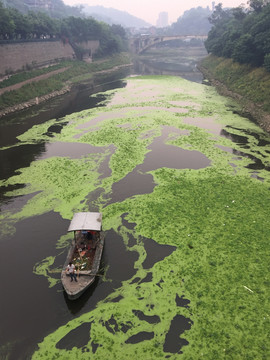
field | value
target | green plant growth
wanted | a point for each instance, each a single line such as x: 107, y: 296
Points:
x: 252, y: 83
x: 216, y: 219
x: 76, y: 71
x: 267, y: 62
x: 243, y: 36
x: 26, y: 75
x: 39, y: 25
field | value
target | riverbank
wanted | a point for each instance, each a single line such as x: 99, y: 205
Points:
x: 35, y: 91
x: 250, y: 87
x: 36, y: 101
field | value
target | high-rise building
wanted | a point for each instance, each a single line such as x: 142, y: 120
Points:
x: 163, y: 19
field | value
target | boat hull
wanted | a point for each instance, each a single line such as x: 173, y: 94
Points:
x: 85, y: 279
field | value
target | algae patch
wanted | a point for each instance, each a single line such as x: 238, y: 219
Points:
x: 215, y: 218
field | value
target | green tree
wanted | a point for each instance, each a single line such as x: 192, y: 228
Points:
x: 219, y: 15
x: 77, y: 28
x: 257, y: 5
x: 244, y: 37
x: 224, y: 32
x: 93, y: 28
x: 41, y: 24
x: 7, y: 25
x: 239, y: 13
x: 260, y: 30
x: 118, y: 30
x: 22, y: 25
x: 229, y: 40
x: 245, y: 51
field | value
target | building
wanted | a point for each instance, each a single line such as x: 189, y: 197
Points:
x: 163, y: 20
x: 43, y: 4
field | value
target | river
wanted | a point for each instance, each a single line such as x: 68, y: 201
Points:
x: 183, y: 184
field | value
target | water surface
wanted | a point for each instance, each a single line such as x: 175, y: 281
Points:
x: 172, y: 170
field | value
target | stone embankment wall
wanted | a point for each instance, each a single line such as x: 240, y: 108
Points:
x: 33, y: 102
x: 19, y: 56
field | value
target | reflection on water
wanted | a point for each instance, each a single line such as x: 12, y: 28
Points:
x: 18, y: 157
x: 72, y: 150
x: 28, y: 302
x: 165, y: 60
x: 204, y: 123
x: 164, y: 155
x: 77, y: 100
x: 161, y: 68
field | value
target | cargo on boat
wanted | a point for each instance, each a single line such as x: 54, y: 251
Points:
x: 85, y: 253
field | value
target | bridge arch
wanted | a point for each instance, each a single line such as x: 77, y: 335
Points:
x: 140, y: 44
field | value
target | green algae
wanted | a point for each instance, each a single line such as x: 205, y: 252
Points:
x: 217, y: 218
x: 42, y: 269
x: 54, y: 180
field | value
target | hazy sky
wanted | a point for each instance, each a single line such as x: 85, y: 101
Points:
x: 148, y: 10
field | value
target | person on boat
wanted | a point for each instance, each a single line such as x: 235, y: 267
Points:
x: 71, y: 271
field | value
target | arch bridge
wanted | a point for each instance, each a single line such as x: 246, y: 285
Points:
x: 141, y: 43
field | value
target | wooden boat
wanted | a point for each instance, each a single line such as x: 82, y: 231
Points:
x: 85, y: 252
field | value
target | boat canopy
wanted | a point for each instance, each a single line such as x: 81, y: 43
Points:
x: 86, y: 221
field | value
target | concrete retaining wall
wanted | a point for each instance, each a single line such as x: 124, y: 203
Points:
x: 19, y: 56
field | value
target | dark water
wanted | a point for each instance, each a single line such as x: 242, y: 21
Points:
x: 161, y: 155
x: 171, y: 61
x: 29, y: 309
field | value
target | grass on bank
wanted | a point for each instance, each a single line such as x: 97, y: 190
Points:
x: 77, y: 71
x: 252, y: 83
x: 26, y: 75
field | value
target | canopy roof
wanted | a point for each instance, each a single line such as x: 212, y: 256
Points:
x: 86, y: 221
